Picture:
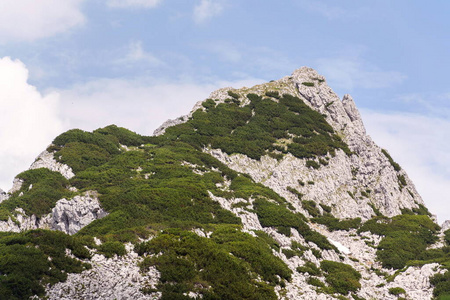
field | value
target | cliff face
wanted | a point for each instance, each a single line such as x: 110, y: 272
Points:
x: 352, y: 184
x: 269, y: 192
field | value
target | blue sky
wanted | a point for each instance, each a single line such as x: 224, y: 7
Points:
x: 136, y: 63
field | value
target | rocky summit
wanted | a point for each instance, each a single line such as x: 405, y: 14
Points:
x: 268, y: 192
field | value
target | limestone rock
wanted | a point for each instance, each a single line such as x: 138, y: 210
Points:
x: 169, y: 123
x: 46, y: 160
x: 352, y: 185
x: 71, y: 215
x: 17, y: 184
x: 109, y: 278
x: 68, y: 216
x: 3, y: 195
x: 446, y: 225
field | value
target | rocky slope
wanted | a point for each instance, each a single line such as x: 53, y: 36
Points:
x: 269, y: 192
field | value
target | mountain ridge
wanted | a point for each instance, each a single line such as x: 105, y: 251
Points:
x: 278, y: 184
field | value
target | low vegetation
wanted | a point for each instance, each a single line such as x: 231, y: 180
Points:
x: 254, y: 129
x: 226, y: 266
x: 341, y: 278
x: 40, y: 190
x: 406, y: 237
x: 32, y: 259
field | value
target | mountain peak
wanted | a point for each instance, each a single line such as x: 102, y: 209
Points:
x: 276, y: 189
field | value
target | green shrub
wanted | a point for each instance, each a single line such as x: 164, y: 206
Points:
x: 227, y: 262
x: 274, y: 215
x: 310, y: 268
x: 396, y: 291
x: 273, y: 94
x: 401, y: 181
x: 308, y: 83
x: 295, y: 192
x: 123, y: 135
x: 375, y: 210
x: 233, y: 95
x: 325, y: 208
x: 315, y: 281
x: 289, y: 253
x: 421, y: 210
x: 111, y: 248
x: 312, y: 164
x: 441, y: 283
x: 41, y: 189
x: 235, y: 129
x: 30, y: 260
x: 406, y: 238
x: 391, y: 161
x: 310, y: 207
x: 342, y: 278
x: 447, y: 236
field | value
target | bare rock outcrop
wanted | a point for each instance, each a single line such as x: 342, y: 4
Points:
x: 353, y: 185
x: 46, y: 160
x: 68, y: 216
x: 3, y: 195
x: 109, y: 278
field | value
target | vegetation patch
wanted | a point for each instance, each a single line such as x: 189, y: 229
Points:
x: 441, y: 283
x: 40, y: 190
x: 230, y: 261
x: 311, y: 208
x: 342, y: 278
x: 333, y: 223
x: 406, y: 237
x: 391, y: 161
x: 275, y: 215
x: 31, y: 260
x: 254, y: 129
x: 396, y: 291
x: 310, y: 268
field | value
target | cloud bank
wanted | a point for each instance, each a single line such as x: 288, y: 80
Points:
x: 206, y: 10
x: 420, y: 145
x: 29, y: 120
x: 29, y: 20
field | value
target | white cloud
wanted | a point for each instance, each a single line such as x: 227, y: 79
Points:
x: 225, y: 51
x: 29, y: 120
x: 28, y: 20
x: 420, y: 145
x: 206, y: 10
x: 261, y: 60
x: 133, y: 3
x: 141, y: 105
x: 350, y: 73
x: 137, y: 54
x: 438, y: 105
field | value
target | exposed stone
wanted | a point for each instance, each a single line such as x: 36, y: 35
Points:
x: 352, y: 185
x: 446, y: 225
x: 109, y: 278
x: 71, y: 215
x: 3, y: 196
x: 46, y: 160
x: 349, y: 184
x: 68, y: 216
x: 17, y: 185
x: 169, y: 123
